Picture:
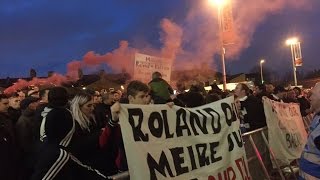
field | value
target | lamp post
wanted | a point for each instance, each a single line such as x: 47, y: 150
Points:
x: 220, y: 4
x: 294, y: 42
x: 261, y: 62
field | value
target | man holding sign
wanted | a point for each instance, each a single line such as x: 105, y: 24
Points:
x: 310, y: 157
x: 137, y: 94
x: 165, y: 142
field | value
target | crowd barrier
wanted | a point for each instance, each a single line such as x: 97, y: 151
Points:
x: 120, y: 176
x: 259, y: 157
x: 307, y: 121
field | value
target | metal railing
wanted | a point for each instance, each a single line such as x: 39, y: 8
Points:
x: 260, y: 157
x: 307, y: 121
x: 120, y: 176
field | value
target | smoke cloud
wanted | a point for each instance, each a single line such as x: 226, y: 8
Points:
x: 171, y: 37
x: 118, y: 60
x: 54, y: 80
x: 194, y: 42
x: 203, y: 28
x: 248, y: 15
x: 73, y: 70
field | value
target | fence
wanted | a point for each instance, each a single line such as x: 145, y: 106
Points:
x: 307, y: 121
x: 120, y: 176
x: 259, y: 157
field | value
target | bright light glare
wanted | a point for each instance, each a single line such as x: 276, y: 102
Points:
x: 291, y: 41
x: 217, y: 2
x: 261, y: 61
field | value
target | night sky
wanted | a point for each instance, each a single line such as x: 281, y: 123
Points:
x: 47, y: 35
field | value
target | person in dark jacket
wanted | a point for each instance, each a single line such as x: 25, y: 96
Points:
x: 85, y: 143
x: 14, y: 110
x: 43, y: 102
x: 26, y: 135
x: 137, y: 93
x: 251, y: 108
x: 55, y: 161
x: 304, y: 103
x: 274, y: 93
x: 8, y: 148
x: 102, y: 111
x: 160, y: 89
x: 260, y: 91
x: 194, y: 99
x: 290, y: 97
x: 56, y: 131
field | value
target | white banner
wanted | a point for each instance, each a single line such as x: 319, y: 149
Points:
x: 145, y: 65
x: 183, y: 143
x: 286, y: 132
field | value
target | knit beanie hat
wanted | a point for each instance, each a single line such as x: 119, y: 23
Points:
x: 27, y: 101
x: 58, y: 97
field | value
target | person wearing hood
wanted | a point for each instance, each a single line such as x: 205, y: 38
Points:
x: 14, y: 109
x: 250, y: 108
x: 25, y: 134
x: 160, y: 89
x: 8, y: 154
x: 57, y: 128
x: 43, y: 102
x: 85, y: 143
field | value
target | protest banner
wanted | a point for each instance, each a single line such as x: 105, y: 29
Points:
x: 228, y: 31
x: 183, y: 143
x: 286, y: 132
x: 296, y: 53
x: 145, y: 65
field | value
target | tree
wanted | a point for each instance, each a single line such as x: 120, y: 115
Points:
x: 269, y: 75
x: 32, y: 73
x: 313, y: 74
x: 80, y: 73
x: 50, y: 73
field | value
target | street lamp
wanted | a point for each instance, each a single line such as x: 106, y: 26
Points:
x: 217, y: 2
x: 291, y: 41
x: 295, y: 55
x: 261, y: 62
x: 220, y: 4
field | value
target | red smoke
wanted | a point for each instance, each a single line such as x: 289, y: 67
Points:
x: 73, y: 70
x: 190, y: 45
x: 54, y: 80
x: 247, y: 16
x: 200, y: 39
x: 119, y: 59
x: 171, y: 39
x: 20, y: 84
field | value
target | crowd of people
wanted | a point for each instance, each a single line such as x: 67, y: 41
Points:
x: 52, y: 134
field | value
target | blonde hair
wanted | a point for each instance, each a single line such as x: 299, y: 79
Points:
x: 76, y: 103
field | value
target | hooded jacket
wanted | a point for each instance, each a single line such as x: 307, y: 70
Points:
x: 55, y: 161
x: 8, y: 153
x: 160, y: 90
